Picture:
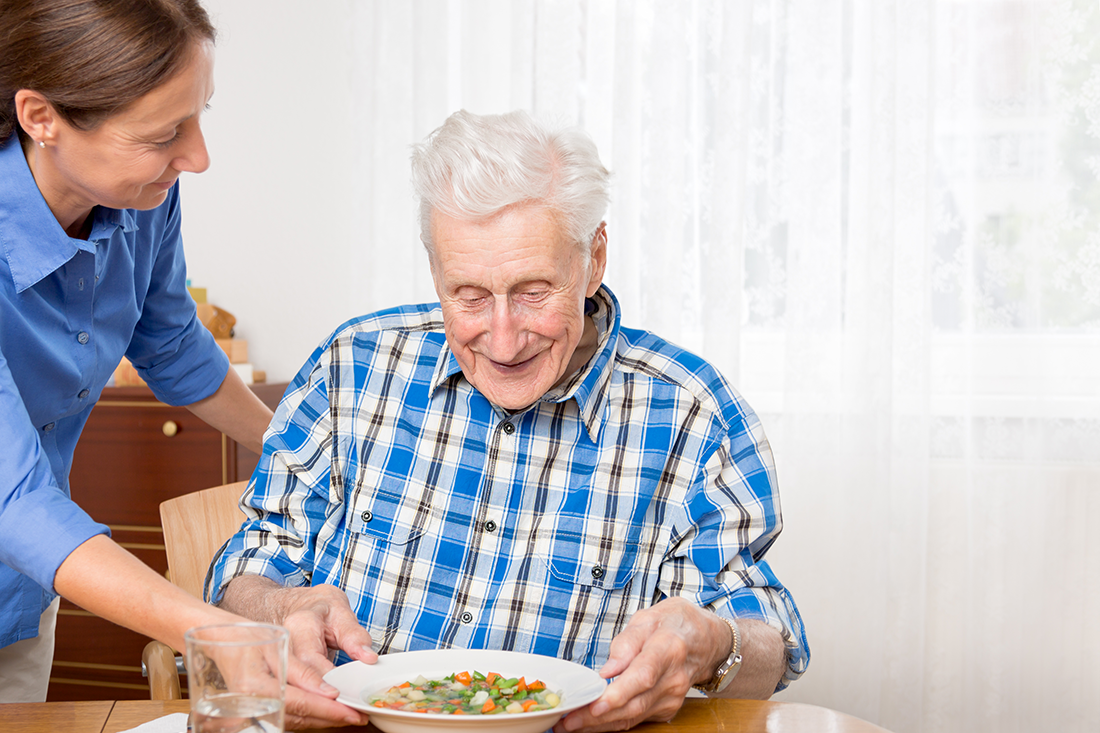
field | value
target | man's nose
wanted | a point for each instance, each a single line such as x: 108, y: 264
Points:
x: 505, y: 331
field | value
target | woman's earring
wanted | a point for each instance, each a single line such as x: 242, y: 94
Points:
x: 42, y: 143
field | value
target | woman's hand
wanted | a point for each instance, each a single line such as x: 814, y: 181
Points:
x: 319, y: 620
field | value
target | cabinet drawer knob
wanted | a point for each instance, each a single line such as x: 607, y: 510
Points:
x: 170, y: 428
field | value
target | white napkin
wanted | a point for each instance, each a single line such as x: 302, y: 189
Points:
x: 174, y: 723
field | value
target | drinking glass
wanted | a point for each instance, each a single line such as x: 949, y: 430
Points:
x: 236, y: 677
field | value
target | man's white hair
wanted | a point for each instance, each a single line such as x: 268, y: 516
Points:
x: 476, y: 166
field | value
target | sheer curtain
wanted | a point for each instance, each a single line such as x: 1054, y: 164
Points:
x: 881, y: 219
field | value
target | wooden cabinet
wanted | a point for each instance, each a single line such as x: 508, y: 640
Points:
x: 134, y: 453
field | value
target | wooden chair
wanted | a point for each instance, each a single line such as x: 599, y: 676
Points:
x: 195, y: 526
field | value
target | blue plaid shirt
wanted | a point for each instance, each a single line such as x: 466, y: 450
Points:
x: 452, y: 523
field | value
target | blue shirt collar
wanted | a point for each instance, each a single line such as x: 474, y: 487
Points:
x: 31, y: 240
x: 588, y: 386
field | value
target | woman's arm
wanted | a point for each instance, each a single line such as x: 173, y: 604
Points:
x: 235, y: 410
x: 105, y: 579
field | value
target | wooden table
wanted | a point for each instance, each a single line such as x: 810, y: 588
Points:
x: 697, y: 716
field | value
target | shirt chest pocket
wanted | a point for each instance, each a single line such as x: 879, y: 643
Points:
x: 609, y: 569
x: 597, y: 554
x: 389, y: 517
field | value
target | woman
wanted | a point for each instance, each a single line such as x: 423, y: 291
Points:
x: 100, y: 105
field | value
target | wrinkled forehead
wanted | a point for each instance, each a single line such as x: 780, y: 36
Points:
x: 515, y: 226
x: 498, y: 253
x: 528, y: 227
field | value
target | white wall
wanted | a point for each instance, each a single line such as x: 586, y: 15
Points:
x: 272, y: 228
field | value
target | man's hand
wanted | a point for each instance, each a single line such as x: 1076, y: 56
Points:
x: 319, y: 619
x: 656, y: 658
x: 662, y: 652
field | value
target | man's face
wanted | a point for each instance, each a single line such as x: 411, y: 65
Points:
x: 512, y: 290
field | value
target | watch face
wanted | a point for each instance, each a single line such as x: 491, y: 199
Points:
x: 726, y: 673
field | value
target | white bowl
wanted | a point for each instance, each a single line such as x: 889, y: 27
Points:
x: 577, y: 686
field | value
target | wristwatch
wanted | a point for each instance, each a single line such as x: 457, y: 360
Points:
x: 728, y: 669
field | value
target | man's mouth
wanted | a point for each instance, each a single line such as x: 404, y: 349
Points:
x: 513, y: 366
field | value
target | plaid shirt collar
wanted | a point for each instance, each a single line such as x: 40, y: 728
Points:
x: 588, y: 385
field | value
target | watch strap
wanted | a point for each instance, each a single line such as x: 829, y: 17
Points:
x: 728, y: 669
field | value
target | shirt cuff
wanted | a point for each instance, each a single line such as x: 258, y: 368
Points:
x: 219, y: 580
x: 186, y: 380
x: 40, y: 530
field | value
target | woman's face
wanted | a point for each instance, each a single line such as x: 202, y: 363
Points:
x: 131, y: 160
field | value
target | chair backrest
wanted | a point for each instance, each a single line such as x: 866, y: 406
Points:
x: 195, y: 526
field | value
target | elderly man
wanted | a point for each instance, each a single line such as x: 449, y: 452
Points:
x: 512, y: 468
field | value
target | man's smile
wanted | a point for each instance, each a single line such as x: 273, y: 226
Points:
x: 513, y: 367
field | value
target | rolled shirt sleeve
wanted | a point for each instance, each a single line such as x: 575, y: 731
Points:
x: 173, y: 352
x: 39, y: 524
x: 289, y: 497
x: 733, y: 518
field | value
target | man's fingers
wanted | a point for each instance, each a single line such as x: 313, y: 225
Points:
x: 649, y: 705
x: 614, y: 666
x: 638, y: 668
x: 648, y: 663
x: 638, y: 682
x: 624, y: 648
x: 324, y: 619
x: 629, y: 715
x: 308, y: 678
x: 309, y: 655
x: 317, y: 663
x: 349, y: 636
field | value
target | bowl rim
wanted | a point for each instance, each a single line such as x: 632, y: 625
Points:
x: 589, y: 691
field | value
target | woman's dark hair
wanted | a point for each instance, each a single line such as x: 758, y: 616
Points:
x: 92, y: 58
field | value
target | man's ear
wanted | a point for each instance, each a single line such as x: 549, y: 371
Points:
x: 597, y: 259
x: 431, y: 259
x: 432, y: 269
x: 36, y: 115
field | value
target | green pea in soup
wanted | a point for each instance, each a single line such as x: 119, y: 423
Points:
x: 468, y: 693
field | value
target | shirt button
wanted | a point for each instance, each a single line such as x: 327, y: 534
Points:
x: 48, y: 427
x: 83, y: 337
x: 597, y: 571
x: 83, y: 393
x: 508, y: 428
x: 367, y: 516
x: 467, y: 617
x: 490, y: 526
